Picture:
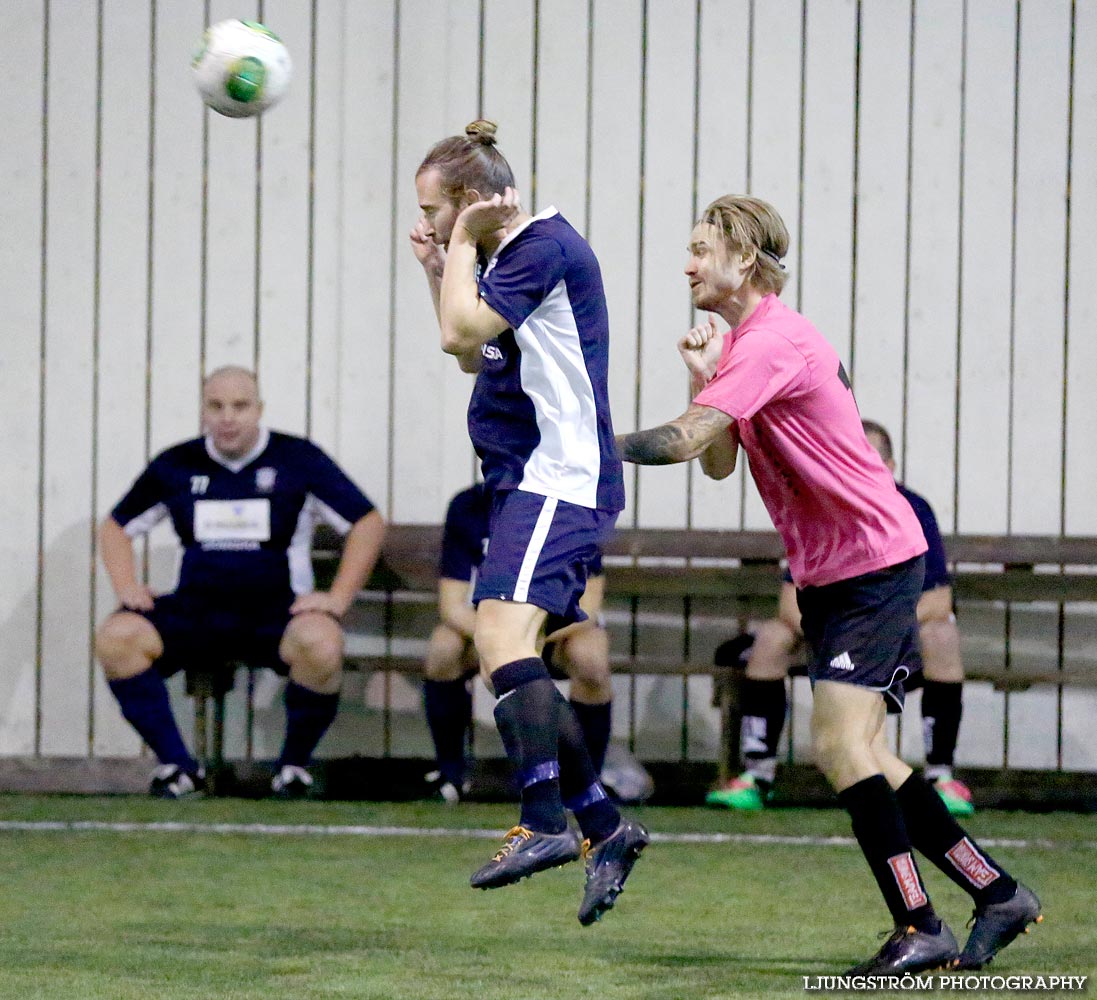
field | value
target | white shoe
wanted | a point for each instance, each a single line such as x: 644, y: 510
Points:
x: 170, y: 781
x: 292, y: 782
x: 625, y: 777
x: 445, y: 791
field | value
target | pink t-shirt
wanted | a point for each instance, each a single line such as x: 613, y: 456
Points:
x: 830, y: 496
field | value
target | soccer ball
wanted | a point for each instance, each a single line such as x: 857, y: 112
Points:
x: 242, y: 68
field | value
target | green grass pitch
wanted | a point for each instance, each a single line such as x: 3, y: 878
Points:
x: 161, y: 915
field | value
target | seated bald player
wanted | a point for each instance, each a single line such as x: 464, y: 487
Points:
x: 243, y: 501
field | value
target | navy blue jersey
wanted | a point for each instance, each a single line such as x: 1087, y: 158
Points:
x: 936, y: 563
x: 245, y: 526
x: 539, y: 414
x: 465, y: 535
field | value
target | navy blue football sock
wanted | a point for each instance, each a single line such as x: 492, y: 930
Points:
x: 879, y: 829
x: 308, y: 715
x: 527, y: 719
x: 596, y: 722
x: 449, y: 712
x: 143, y: 699
x: 941, y: 839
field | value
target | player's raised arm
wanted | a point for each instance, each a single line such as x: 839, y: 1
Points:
x: 467, y: 320
x: 431, y: 256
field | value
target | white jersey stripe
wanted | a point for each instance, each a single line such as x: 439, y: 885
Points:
x: 144, y: 523
x: 533, y: 550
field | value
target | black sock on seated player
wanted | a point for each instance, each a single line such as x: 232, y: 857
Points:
x: 580, y: 788
x: 942, y: 707
x: 526, y: 714
x: 308, y: 715
x: 144, y: 702
x: 765, y: 703
x: 879, y: 828
x: 448, y: 706
x: 596, y: 722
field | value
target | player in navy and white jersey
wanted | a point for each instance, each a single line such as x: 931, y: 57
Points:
x: 243, y: 501
x: 768, y: 654
x: 520, y: 302
x: 581, y: 656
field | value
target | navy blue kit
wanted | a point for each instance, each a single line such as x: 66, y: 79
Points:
x: 246, y: 531
x: 539, y: 419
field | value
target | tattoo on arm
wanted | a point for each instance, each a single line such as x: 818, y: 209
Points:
x: 676, y: 441
x: 653, y: 447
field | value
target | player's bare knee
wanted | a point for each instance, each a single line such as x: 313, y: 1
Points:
x: 506, y: 631
x: 835, y: 743
x: 315, y: 642
x: 939, y: 639
x: 771, y: 655
x: 445, y: 660
x: 126, y: 644
x: 591, y: 681
x: 586, y: 662
x: 828, y: 750
x: 324, y: 678
x: 595, y: 691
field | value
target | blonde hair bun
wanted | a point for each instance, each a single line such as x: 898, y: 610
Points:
x: 481, y: 131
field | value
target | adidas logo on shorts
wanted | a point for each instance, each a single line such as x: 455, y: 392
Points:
x: 841, y: 662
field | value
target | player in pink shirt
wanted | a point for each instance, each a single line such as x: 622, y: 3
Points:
x: 775, y: 386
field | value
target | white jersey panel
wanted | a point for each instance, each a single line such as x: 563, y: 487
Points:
x: 566, y: 462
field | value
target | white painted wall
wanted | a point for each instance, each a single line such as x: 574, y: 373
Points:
x: 922, y: 154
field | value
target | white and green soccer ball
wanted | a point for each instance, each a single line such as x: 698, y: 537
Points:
x: 242, y: 68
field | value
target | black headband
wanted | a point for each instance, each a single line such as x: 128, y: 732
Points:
x: 772, y: 256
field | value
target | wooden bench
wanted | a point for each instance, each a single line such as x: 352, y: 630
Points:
x: 733, y: 578
x: 673, y: 595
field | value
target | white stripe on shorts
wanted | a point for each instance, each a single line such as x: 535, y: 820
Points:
x: 533, y: 550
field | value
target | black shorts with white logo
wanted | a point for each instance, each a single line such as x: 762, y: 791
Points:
x: 864, y: 630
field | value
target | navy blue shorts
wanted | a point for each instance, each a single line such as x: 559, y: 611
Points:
x: 540, y: 551
x: 864, y: 630
x: 199, y: 632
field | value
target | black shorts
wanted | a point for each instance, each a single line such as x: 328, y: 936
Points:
x: 864, y: 630
x: 198, y: 632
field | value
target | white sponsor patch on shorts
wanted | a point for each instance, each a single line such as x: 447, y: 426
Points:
x: 967, y: 860
x: 906, y: 877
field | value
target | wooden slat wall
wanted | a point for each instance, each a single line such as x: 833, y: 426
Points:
x: 936, y: 164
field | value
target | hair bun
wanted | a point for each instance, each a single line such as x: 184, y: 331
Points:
x: 481, y: 131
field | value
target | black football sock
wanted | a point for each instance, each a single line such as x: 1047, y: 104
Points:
x: 596, y: 722
x: 764, y: 706
x: 879, y: 829
x: 308, y: 715
x: 526, y: 715
x: 940, y: 838
x: 448, y: 707
x: 942, y: 706
x: 580, y: 788
x: 144, y: 702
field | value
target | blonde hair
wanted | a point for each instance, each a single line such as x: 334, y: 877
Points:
x: 469, y: 162
x: 752, y: 224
